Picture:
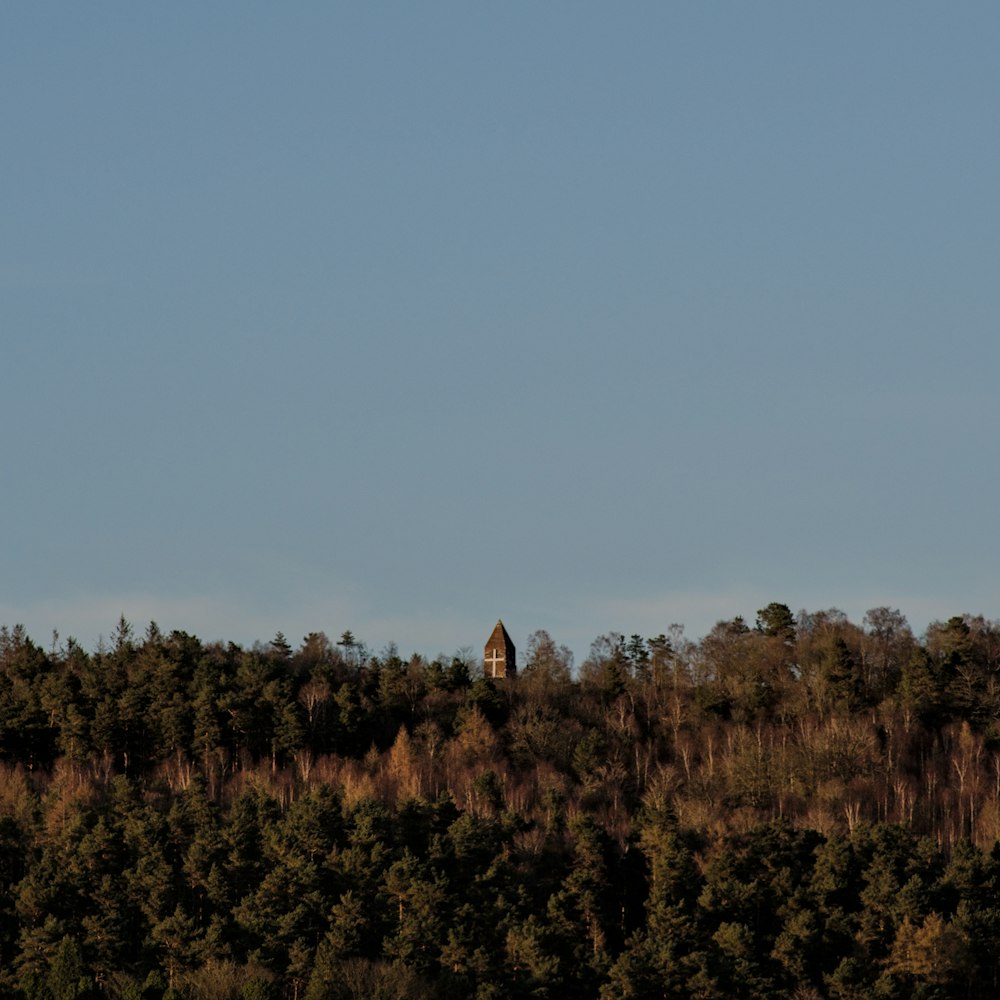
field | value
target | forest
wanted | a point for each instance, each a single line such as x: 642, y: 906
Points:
x: 804, y: 807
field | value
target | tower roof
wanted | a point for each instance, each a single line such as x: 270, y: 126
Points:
x: 499, y: 636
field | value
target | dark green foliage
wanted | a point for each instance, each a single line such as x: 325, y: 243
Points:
x: 180, y: 820
x: 777, y: 620
x: 841, y: 676
x: 67, y: 977
x: 483, y: 695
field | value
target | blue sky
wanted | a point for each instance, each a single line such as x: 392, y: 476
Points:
x: 400, y: 318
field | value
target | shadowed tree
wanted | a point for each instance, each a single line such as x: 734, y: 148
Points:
x: 777, y: 620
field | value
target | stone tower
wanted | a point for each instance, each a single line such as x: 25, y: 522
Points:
x: 499, y: 658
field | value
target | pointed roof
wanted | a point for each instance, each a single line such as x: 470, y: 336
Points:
x: 499, y: 636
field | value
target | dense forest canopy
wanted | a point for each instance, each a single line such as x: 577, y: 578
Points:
x: 804, y: 807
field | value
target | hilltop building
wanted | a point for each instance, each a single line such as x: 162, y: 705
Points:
x: 499, y: 657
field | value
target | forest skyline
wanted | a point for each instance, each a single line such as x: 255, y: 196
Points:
x: 801, y: 807
x: 435, y: 650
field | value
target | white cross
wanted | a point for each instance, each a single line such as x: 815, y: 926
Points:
x: 493, y: 659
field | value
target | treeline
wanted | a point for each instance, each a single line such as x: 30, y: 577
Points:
x: 806, y: 808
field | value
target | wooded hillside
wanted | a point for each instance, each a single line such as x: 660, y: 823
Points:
x: 803, y: 808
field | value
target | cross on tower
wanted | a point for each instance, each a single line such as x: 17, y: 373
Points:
x: 492, y: 659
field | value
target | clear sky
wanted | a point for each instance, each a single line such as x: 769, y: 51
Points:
x: 400, y: 317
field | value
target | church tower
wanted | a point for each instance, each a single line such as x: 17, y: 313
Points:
x: 499, y: 659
